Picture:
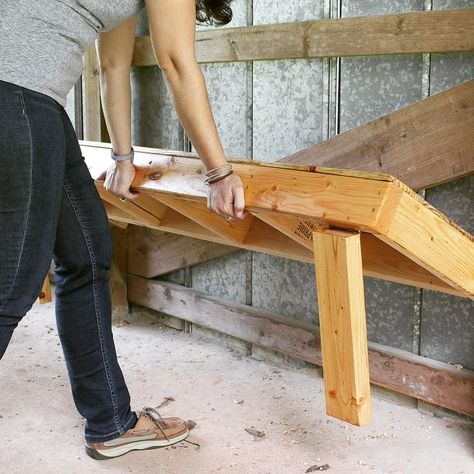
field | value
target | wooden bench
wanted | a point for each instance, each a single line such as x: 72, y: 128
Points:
x: 348, y: 223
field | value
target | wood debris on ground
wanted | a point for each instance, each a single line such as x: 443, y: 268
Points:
x: 165, y: 402
x: 323, y: 467
x: 255, y: 433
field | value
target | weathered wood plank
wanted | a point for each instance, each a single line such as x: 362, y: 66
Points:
x: 401, y: 371
x: 295, y: 189
x: 401, y: 33
x: 152, y: 253
x: 424, y: 144
x: 343, y: 328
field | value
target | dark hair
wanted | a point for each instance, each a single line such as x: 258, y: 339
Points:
x: 213, y: 12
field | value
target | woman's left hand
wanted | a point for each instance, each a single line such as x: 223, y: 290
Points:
x: 118, y: 179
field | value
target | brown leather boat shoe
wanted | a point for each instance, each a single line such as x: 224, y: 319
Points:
x: 151, y: 431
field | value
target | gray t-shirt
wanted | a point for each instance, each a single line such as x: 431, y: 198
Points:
x: 42, y: 41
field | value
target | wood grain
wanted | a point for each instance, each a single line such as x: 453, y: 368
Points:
x: 234, y: 230
x: 129, y: 207
x: 432, y: 242
x: 424, y: 144
x: 342, y: 322
x: 294, y: 189
x: 401, y: 33
x: 351, y: 200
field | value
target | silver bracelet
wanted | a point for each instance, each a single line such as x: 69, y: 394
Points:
x: 219, y: 178
x: 215, y: 174
x: 116, y: 157
x: 218, y: 170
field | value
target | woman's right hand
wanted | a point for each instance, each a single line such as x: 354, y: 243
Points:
x: 118, y: 179
x: 226, y: 197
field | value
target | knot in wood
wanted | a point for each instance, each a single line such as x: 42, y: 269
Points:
x: 155, y: 176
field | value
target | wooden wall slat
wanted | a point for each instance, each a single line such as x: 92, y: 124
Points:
x: 406, y: 373
x: 402, y: 33
x: 424, y: 144
x: 152, y: 253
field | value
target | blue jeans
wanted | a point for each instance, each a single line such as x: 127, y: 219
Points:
x: 50, y: 210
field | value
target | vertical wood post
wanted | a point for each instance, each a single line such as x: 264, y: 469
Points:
x: 340, y: 290
x: 93, y: 118
x: 45, y: 294
x: 118, y: 273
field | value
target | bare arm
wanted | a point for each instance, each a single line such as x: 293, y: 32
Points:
x: 114, y: 50
x: 172, y: 28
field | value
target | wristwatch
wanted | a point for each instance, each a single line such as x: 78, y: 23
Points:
x: 115, y: 157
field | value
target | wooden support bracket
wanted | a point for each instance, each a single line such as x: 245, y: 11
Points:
x: 340, y: 289
x: 136, y: 212
x: 234, y: 230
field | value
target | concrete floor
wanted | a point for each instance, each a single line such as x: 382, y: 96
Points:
x: 41, y: 431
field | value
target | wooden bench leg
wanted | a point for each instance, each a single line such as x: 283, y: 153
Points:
x: 340, y: 289
x: 45, y: 294
x: 118, y: 273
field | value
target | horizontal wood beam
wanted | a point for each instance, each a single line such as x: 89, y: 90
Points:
x: 152, y: 253
x: 424, y: 144
x: 379, y: 259
x: 401, y: 371
x: 290, y: 189
x: 401, y: 33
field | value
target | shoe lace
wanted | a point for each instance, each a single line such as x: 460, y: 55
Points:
x: 156, y: 417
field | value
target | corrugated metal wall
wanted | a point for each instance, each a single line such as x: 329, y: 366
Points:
x: 268, y: 109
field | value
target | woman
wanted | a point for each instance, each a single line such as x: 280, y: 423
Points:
x: 49, y: 207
